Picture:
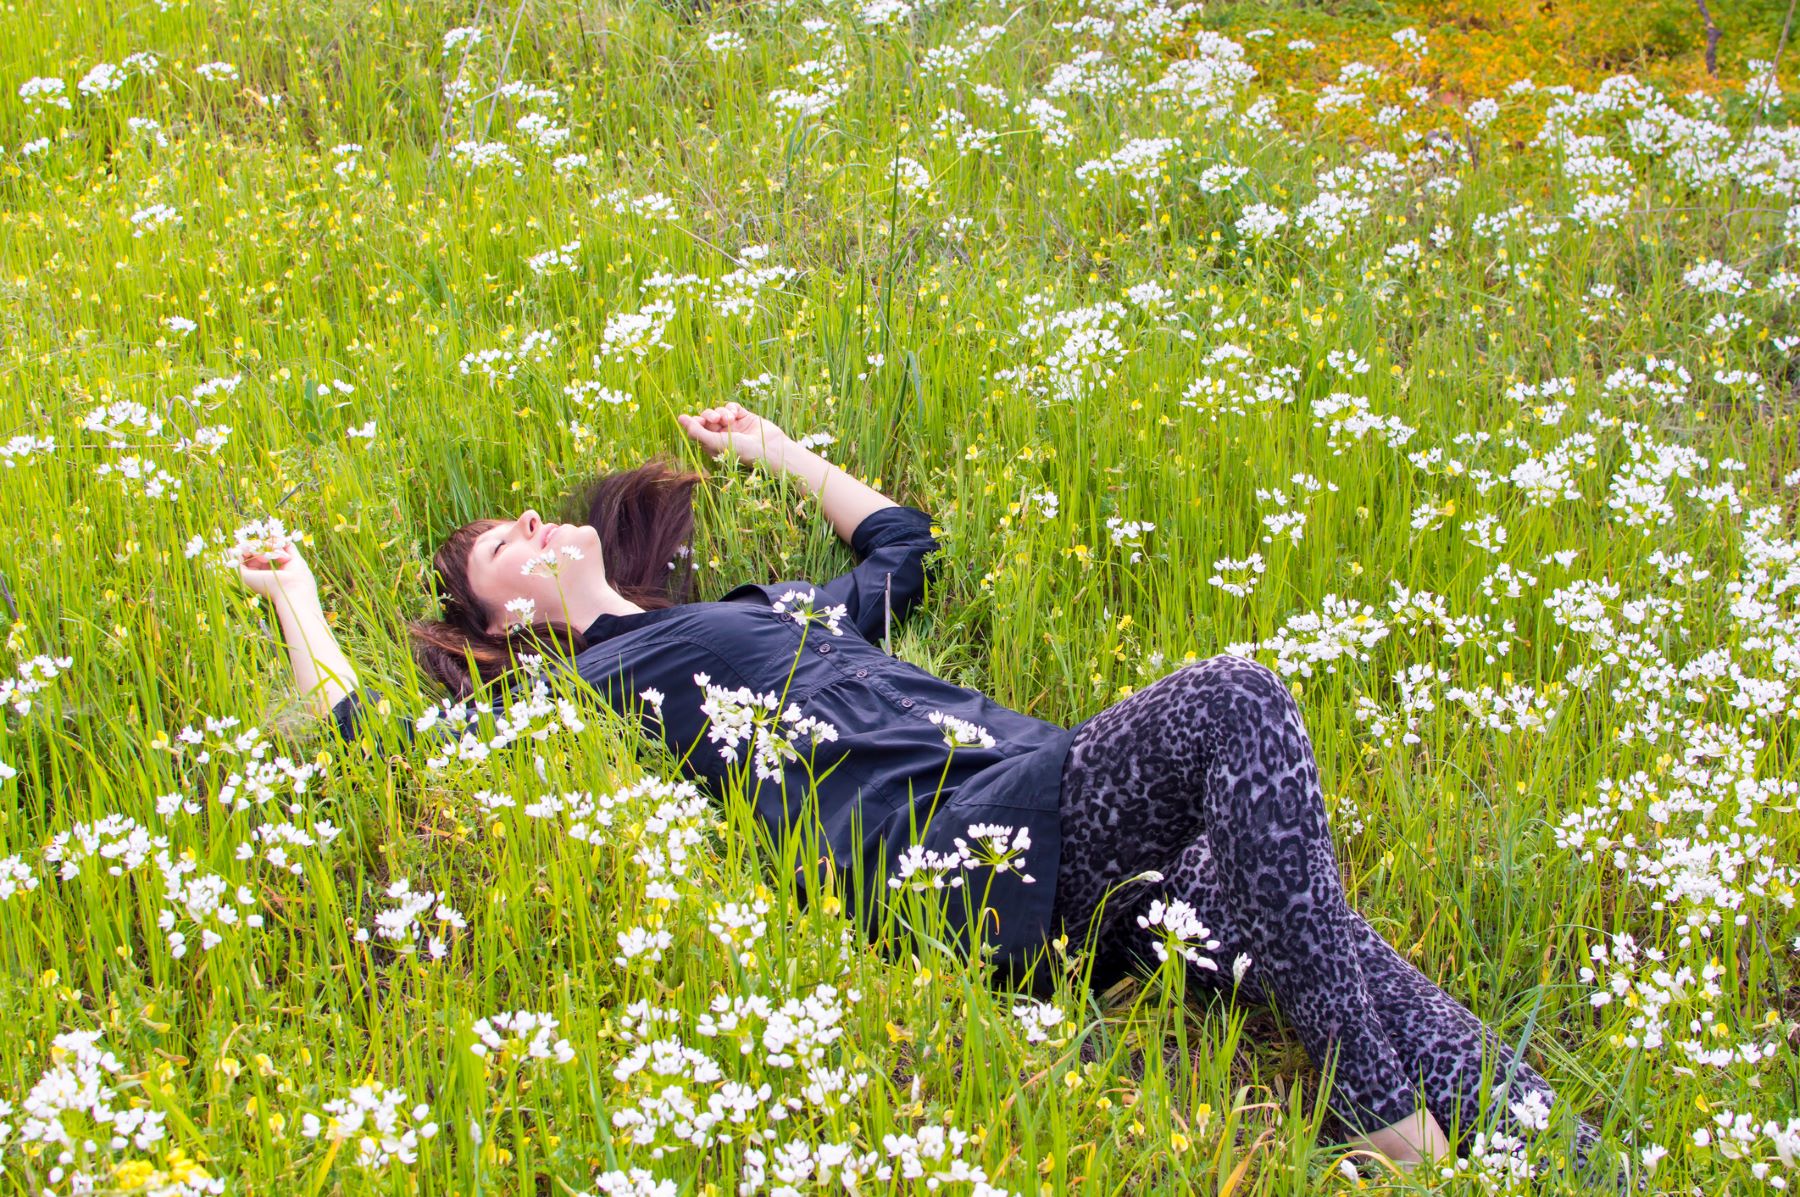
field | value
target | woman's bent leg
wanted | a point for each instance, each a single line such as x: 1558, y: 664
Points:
x: 1218, y: 750
x: 1448, y: 1049
x: 1442, y: 1047
x: 1443, y: 1050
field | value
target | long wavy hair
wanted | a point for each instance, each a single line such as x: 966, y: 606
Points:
x: 645, y: 518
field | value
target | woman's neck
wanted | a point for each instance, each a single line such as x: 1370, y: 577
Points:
x: 585, y: 608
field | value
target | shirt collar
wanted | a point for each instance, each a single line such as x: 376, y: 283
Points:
x: 614, y: 625
x: 608, y: 625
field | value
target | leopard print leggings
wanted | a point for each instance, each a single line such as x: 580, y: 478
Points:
x: 1208, y: 777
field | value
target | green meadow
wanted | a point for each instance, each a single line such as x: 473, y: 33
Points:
x: 1442, y: 358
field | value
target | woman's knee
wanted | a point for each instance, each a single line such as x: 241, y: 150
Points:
x: 1221, y: 667
x: 1237, y: 682
x: 1249, y: 715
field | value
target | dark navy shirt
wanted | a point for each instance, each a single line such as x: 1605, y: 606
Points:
x: 881, y: 790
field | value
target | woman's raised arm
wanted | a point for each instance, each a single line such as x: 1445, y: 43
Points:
x: 845, y: 500
x: 322, y: 674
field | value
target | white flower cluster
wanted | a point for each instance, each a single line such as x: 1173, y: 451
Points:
x: 912, y: 179
x: 630, y: 336
x: 999, y: 846
x: 1660, y: 1001
x: 255, y: 538
x: 562, y: 259
x: 24, y: 447
x: 152, y: 480
x: 257, y: 779
x: 33, y: 677
x: 463, y: 37
x: 520, y: 1035
x: 824, y: 79
x: 1233, y: 386
x: 739, y: 926
x: 736, y: 715
x: 961, y: 733
x: 1140, y: 161
x: 933, y: 1156
x: 541, y: 131
x: 418, y: 918
x: 634, y: 1182
x: 1428, y: 612
x: 1739, y: 1136
x: 1038, y: 1017
x: 1207, y: 82
x: 1342, y: 629
x: 800, y: 607
x: 533, y: 715
x: 152, y: 218
x: 1258, y: 222
x: 1083, y: 349
x: 1179, y: 931
x: 205, y: 902
x: 120, y: 843
x: 75, y: 1120
x: 737, y: 292
x: 498, y: 365
x: 1347, y: 418
x: 950, y: 60
x: 1399, y: 726
x: 43, y: 89
x: 681, y: 1093
x: 1238, y: 576
x: 283, y: 846
x: 1289, y: 515
x: 476, y: 156
x: 1129, y: 533
x: 1500, y: 1163
x: 385, y: 1128
x: 546, y: 563
x: 16, y: 877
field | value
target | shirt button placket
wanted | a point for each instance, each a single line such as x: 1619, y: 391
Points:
x: 906, y: 702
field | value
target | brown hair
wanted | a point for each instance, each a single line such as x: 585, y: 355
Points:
x: 645, y: 518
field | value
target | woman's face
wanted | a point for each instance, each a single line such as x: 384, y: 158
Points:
x: 527, y: 561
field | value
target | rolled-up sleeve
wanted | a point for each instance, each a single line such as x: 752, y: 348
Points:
x: 347, y: 715
x: 366, y: 712
x: 891, y: 545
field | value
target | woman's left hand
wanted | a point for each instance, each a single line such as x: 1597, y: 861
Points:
x: 736, y: 429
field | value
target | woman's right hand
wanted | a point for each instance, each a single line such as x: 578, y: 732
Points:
x: 734, y: 427
x: 322, y: 673
x: 282, y: 572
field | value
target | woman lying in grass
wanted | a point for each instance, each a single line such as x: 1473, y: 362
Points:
x: 1197, y: 797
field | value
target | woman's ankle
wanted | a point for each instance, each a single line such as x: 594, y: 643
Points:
x: 1411, y: 1141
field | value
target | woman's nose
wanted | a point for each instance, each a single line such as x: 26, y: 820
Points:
x: 530, y: 522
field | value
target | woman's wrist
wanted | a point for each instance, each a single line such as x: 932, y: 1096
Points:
x: 772, y: 451
x: 797, y: 461
x: 297, y: 598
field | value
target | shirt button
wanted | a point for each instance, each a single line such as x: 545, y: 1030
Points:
x: 824, y: 648
x: 862, y: 673
x: 906, y: 702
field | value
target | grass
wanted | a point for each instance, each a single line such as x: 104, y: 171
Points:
x: 932, y: 357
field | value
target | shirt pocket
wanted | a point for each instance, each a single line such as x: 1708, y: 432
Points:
x: 857, y: 707
x: 767, y: 649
